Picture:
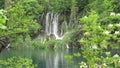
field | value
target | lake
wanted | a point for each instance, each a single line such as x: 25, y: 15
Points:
x: 46, y: 58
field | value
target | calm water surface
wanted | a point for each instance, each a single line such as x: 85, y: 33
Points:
x: 48, y: 58
x: 45, y: 58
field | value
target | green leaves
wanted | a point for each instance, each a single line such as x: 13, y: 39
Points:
x: 102, y: 32
x: 100, y: 58
x: 32, y: 8
x: 3, y: 27
x: 60, y: 5
x: 92, y: 30
x: 18, y: 20
x: 2, y: 22
x: 2, y: 19
x: 77, y: 54
x: 92, y: 18
x: 17, y: 62
x: 68, y: 57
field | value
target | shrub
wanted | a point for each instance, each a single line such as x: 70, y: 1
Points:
x: 17, y: 62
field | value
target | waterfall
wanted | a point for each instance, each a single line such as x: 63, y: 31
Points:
x: 47, y: 24
x: 52, y: 27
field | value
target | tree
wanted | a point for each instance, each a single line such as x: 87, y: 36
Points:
x: 14, y: 22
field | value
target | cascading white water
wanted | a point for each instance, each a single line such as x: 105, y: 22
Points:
x: 52, y: 25
x: 47, y: 24
x: 55, y: 26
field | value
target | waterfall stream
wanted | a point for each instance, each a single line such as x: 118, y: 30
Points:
x: 52, y: 26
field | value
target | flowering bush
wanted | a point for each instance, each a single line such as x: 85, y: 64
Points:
x: 100, y: 32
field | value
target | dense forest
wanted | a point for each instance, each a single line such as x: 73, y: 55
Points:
x: 92, y: 26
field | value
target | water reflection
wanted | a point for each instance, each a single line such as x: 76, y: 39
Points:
x: 48, y: 58
x: 44, y: 58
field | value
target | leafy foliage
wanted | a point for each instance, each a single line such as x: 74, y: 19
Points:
x: 98, y: 34
x: 95, y: 58
x: 98, y: 30
x: 32, y: 8
x: 2, y: 20
x: 17, y: 62
x: 14, y: 22
x: 104, y: 6
x: 93, y: 33
x: 60, y: 5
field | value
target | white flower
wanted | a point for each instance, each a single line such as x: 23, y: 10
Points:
x: 110, y: 25
x: 104, y: 64
x: 94, y: 46
x: 106, y: 57
x: 99, y: 27
x: 83, y: 65
x: 85, y: 17
x: 87, y: 33
x: 119, y: 61
x: 106, y: 32
x: 81, y: 40
x: 116, y: 55
x: 117, y: 24
x: 116, y: 32
x: 107, y: 53
x: 112, y: 14
x: 118, y: 14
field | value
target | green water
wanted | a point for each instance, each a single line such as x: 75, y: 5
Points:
x: 49, y: 58
x: 45, y: 58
